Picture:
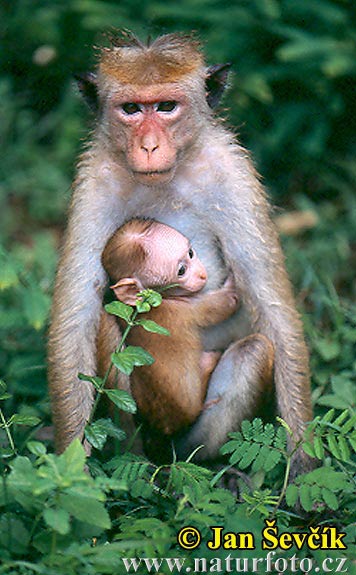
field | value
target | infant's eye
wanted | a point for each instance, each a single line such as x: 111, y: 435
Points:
x: 166, y: 106
x: 191, y: 253
x: 131, y: 108
x: 181, y: 270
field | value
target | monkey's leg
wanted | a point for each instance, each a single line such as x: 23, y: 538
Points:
x: 237, y: 385
x: 208, y: 362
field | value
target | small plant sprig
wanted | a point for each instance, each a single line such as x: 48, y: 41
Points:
x: 332, y: 434
x: 125, y: 359
x: 331, y: 438
x: 264, y: 446
x: 9, y: 450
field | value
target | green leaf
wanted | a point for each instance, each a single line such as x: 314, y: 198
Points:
x: 329, y: 416
x: 96, y: 435
x: 142, y: 306
x: 23, y: 474
x: 6, y: 452
x: 95, y: 380
x: 341, y: 418
x: 308, y: 448
x: 152, y: 326
x: 111, y: 429
x: 247, y: 430
x: 141, y: 488
x: 280, y: 440
x: 37, y: 448
x: 349, y: 424
x: 326, y: 477
x: 74, y: 457
x: 20, y: 536
x: 36, y: 307
x: 330, y: 498
x: 151, y: 297
x: 85, y: 508
x: 292, y: 495
x: 97, y: 432
x: 249, y: 455
x: 29, y: 420
x: 130, y: 357
x: 352, y: 440
x: 305, y: 497
x: 330, y: 400
x: 272, y: 460
x: 328, y: 349
x: 57, y: 519
x: 315, y: 492
x: 3, y: 391
x: 318, y: 447
x: 261, y: 458
x: 120, y: 310
x: 333, y: 445
x: 122, y: 399
x: 8, y: 275
x: 344, y: 448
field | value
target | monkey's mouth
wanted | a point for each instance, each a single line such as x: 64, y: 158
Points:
x: 154, y: 176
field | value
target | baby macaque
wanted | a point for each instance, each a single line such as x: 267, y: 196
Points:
x: 144, y: 254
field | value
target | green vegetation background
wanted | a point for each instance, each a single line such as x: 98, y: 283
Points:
x: 292, y: 102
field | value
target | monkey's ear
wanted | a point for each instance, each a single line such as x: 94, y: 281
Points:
x: 215, y: 82
x: 88, y: 87
x: 126, y: 290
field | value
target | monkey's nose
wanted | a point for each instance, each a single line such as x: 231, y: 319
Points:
x: 202, y: 275
x: 149, y: 144
x: 149, y: 151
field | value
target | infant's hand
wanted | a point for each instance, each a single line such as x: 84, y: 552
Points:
x: 231, y: 294
x: 229, y: 283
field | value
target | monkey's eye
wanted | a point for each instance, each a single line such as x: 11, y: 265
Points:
x: 181, y: 270
x: 131, y: 108
x: 191, y: 253
x: 166, y: 106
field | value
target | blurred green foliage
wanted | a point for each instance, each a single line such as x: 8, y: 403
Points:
x: 291, y: 101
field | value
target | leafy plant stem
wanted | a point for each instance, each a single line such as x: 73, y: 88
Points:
x: 288, y: 458
x: 7, y: 431
x: 108, y: 371
x: 127, y: 330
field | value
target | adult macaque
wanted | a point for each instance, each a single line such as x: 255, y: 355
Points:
x: 159, y: 152
x: 147, y: 254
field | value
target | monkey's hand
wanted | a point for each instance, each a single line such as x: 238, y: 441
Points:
x: 217, y: 305
x: 230, y: 293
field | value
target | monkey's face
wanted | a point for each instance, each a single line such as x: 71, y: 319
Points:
x: 151, y: 128
x: 173, y: 261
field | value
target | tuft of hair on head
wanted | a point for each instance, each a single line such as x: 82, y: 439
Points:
x: 123, y: 38
x: 125, y: 252
x: 166, y: 59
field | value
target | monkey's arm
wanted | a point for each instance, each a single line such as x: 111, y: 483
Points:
x: 215, y: 306
x: 251, y: 248
x: 76, y: 306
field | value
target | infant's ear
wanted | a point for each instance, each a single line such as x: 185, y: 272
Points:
x: 126, y: 290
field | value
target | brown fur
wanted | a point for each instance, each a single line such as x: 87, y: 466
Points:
x: 168, y: 59
x: 170, y: 393
x: 124, y: 254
